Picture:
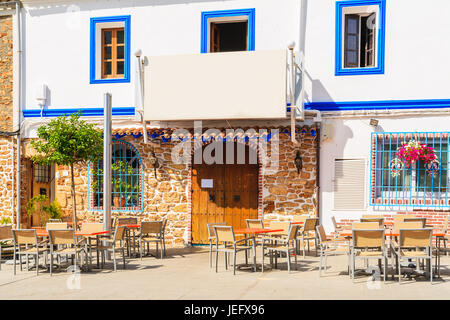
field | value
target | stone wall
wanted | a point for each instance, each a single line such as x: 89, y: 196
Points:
x: 7, y: 149
x: 288, y: 192
x: 285, y: 193
x: 6, y: 73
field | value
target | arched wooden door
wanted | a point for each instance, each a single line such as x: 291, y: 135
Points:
x: 223, y: 193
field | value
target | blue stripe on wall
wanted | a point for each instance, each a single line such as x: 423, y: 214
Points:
x: 378, y: 105
x: 87, y: 112
x: 321, y: 106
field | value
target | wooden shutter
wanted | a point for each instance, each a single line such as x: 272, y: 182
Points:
x: 351, y: 41
x: 369, y: 50
x: 349, y: 184
x: 215, y: 38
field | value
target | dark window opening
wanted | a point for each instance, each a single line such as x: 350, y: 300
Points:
x: 229, y: 36
x: 359, y: 41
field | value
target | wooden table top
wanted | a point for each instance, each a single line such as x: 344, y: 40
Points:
x: 391, y: 233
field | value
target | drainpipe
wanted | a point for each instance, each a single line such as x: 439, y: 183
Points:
x: 292, y: 92
x: 317, y: 189
x: 140, y: 105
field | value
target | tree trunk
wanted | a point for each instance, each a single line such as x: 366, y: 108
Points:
x: 74, y: 202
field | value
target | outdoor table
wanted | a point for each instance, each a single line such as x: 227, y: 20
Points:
x: 132, y: 227
x: 44, y: 233
x: 253, y: 232
x: 267, y: 223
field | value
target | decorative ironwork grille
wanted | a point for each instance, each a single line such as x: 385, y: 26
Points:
x: 41, y: 173
x: 126, y: 179
x: 419, y: 185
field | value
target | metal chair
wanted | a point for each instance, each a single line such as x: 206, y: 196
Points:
x: 28, y: 239
x: 283, y: 245
x: 128, y: 236
x: 331, y: 247
x: 415, y: 244
x: 368, y: 244
x: 66, y: 244
x: 92, y: 227
x: 308, y: 227
x: 380, y: 221
x: 113, y: 245
x: 225, y: 235
x: 56, y: 226
x: 212, y: 237
x: 6, y: 240
x: 151, y: 232
x: 422, y: 220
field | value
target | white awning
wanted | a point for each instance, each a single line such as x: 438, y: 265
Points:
x: 232, y: 85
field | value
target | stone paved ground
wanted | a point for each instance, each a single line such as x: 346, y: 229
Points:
x: 185, y: 274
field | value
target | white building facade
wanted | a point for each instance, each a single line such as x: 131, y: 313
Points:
x: 356, y: 61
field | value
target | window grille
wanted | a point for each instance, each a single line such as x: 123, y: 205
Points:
x: 126, y: 179
x: 419, y: 185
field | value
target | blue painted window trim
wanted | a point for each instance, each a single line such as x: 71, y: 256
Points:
x: 339, y: 69
x: 127, y: 22
x: 86, y: 112
x: 228, y: 13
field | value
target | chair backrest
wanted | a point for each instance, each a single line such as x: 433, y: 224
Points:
x: 321, y: 233
x: 366, y: 238
x: 421, y: 220
x: 224, y: 233
x: 128, y: 220
x: 54, y: 220
x: 284, y: 225
x: 407, y: 225
x: 401, y: 217
x: 56, y: 226
x: 6, y: 232
x: 119, y: 233
x: 366, y: 225
x: 24, y: 236
x: 255, y: 223
x: 92, y: 227
x: 113, y: 222
x: 293, y: 231
x: 210, y: 227
x: 416, y: 238
x: 62, y: 236
x: 310, y: 224
x: 335, y: 225
x: 164, y: 224
x: 372, y: 216
x: 301, y: 218
x: 380, y: 221
x: 445, y: 224
x: 151, y: 227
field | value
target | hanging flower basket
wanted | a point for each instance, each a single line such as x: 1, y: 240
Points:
x: 433, y: 167
x: 414, y: 151
x: 396, y: 167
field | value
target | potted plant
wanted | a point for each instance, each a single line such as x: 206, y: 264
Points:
x: 412, y: 152
x: 37, y: 204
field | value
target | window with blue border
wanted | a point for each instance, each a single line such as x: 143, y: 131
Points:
x: 410, y: 169
x: 126, y: 179
x: 240, y: 16
x: 110, y: 49
x: 360, y: 37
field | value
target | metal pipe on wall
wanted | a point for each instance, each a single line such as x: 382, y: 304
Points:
x: 107, y: 162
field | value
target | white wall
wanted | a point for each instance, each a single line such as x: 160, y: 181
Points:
x: 417, y: 46
x: 351, y: 140
x: 57, y: 40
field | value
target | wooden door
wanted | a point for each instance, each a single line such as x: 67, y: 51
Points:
x: 40, y: 186
x: 229, y: 193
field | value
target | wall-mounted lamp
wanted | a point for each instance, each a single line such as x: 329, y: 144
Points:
x: 154, y: 161
x: 298, y: 161
x: 374, y: 122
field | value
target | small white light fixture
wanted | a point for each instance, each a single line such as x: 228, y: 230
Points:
x: 374, y: 122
